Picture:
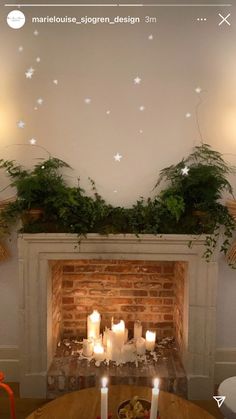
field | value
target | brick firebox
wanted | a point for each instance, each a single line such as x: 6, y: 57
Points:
x: 151, y: 291
x: 36, y: 308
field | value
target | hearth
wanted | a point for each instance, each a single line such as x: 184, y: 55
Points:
x: 159, y: 280
x: 70, y: 371
x: 136, y: 297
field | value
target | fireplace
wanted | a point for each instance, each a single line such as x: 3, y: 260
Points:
x: 160, y: 280
x: 150, y: 291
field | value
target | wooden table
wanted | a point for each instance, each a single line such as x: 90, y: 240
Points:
x: 85, y: 404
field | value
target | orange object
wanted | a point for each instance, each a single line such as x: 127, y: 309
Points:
x: 10, y: 395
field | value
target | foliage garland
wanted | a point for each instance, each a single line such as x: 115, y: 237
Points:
x: 189, y: 203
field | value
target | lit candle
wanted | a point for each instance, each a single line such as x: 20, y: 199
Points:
x: 150, y: 340
x: 155, y: 396
x: 119, y: 331
x: 113, y: 352
x: 109, y: 344
x: 98, y: 351
x: 138, y: 328
x: 98, y: 340
x: 87, y: 347
x: 140, y: 346
x: 104, y: 398
x: 93, y: 325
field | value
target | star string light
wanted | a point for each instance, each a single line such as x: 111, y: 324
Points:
x: 141, y: 108
x: 21, y: 124
x: 32, y: 141
x: 137, y: 80
x: 150, y: 37
x: 29, y: 73
x: 87, y: 100
x: 55, y: 81
x: 188, y: 115
x: 185, y: 170
x: 198, y: 90
x: 20, y: 49
x: 38, y: 59
x: 36, y: 32
x: 40, y: 101
x: 118, y: 157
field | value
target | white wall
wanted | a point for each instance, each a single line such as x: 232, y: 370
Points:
x: 101, y: 62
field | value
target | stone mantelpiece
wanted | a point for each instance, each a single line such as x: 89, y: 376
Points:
x: 35, y: 252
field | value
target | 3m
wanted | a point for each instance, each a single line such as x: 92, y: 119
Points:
x: 150, y: 19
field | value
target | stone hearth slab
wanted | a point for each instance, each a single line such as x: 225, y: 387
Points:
x: 70, y: 373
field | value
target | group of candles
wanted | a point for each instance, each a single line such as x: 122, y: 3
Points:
x: 113, y: 344
x: 104, y: 399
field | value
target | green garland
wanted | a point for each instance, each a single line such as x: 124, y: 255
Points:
x: 189, y: 204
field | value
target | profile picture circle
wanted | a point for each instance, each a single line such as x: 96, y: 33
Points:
x: 16, y: 19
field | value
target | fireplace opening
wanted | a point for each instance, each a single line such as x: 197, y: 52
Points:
x: 152, y: 292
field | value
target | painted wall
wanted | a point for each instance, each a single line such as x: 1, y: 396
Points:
x: 100, y: 62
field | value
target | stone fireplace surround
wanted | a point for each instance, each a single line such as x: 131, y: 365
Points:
x: 35, y: 252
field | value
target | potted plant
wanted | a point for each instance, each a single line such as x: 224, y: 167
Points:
x: 38, y: 189
x: 194, y: 193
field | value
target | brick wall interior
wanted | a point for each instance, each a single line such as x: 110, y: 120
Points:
x: 179, y: 291
x: 57, y: 321
x: 146, y: 290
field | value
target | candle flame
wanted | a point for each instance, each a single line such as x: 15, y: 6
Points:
x: 98, y: 348
x: 104, y: 381
x: 156, y: 383
x: 95, y: 316
x: 119, y: 327
x: 150, y: 336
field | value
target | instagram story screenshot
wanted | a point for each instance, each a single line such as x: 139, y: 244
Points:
x: 118, y: 209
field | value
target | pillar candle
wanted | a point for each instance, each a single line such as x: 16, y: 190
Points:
x: 109, y: 344
x: 150, y: 340
x: 138, y: 328
x: 155, y: 396
x: 87, y: 347
x: 104, y: 399
x: 93, y: 325
x: 113, y: 352
x: 119, y: 331
x: 140, y: 346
